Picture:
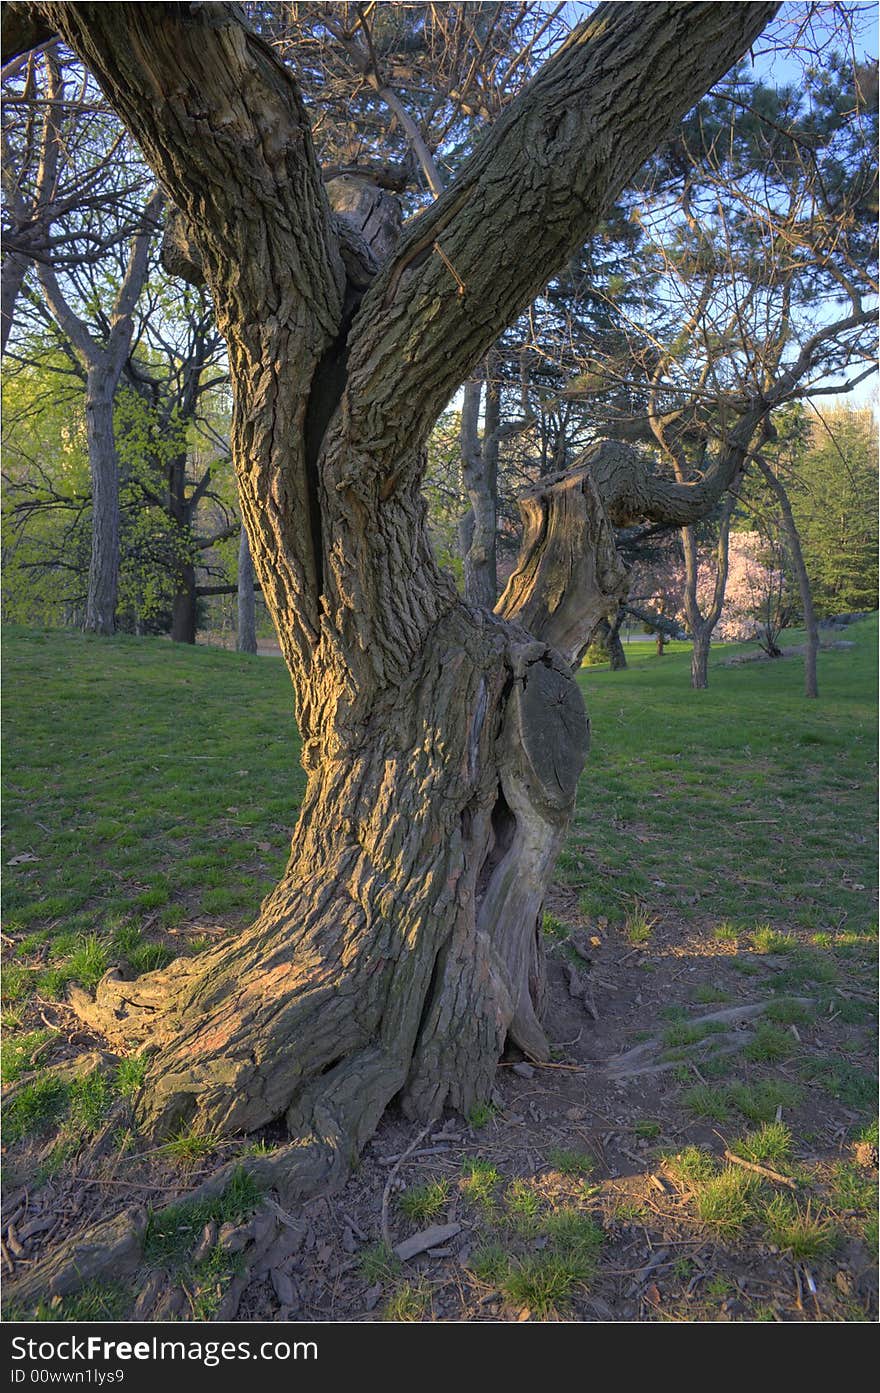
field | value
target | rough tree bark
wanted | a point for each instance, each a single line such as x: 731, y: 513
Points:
x: 442, y: 742
x: 246, y: 636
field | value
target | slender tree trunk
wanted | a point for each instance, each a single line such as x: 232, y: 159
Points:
x: 701, y: 625
x: 184, y: 609
x: 104, y: 471
x: 615, y: 648
x: 661, y: 643
x: 184, y: 605
x: 246, y: 639
x: 479, y: 471
x: 702, y: 638
x: 792, y: 537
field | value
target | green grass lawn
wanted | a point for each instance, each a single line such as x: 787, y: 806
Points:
x: 150, y: 792
x: 745, y: 802
x: 156, y: 786
x: 723, y: 845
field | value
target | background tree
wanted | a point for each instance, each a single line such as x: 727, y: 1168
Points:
x: 833, y: 494
x: 91, y: 299
x: 763, y: 242
x: 173, y: 381
x: 46, y: 533
x: 74, y: 189
x: 175, y: 489
x: 61, y: 167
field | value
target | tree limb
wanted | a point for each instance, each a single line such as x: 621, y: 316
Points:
x: 541, y: 179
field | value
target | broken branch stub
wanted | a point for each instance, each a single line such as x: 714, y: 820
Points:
x: 569, y: 573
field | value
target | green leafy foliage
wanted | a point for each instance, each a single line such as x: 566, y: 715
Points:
x: 834, y: 499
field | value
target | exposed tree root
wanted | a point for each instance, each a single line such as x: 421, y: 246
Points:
x: 114, y: 1249
x: 66, y: 1071
x: 641, y: 1059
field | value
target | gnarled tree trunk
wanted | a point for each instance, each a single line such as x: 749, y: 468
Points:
x: 401, y: 948
x: 442, y: 742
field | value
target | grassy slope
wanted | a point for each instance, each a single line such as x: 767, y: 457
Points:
x: 157, y: 786
x: 742, y: 802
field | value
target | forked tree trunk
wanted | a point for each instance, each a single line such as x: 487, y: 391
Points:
x: 702, y: 626
x: 795, y: 551
x: 442, y: 742
x: 102, y: 365
x: 104, y: 471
